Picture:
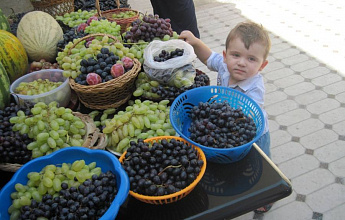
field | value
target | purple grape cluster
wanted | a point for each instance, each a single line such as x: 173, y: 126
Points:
x: 162, y: 169
x: 219, y: 125
x: 148, y: 28
x: 166, y: 55
x: 13, y: 143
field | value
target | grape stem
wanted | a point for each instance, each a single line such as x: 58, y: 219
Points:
x: 170, y: 166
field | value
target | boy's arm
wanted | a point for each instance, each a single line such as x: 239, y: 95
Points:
x: 202, y: 51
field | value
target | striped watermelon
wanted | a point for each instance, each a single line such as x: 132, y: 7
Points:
x: 4, y: 25
x: 4, y: 88
x: 12, y: 55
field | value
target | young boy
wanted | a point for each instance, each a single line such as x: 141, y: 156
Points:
x: 246, y: 50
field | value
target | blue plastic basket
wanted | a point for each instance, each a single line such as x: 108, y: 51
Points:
x: 180, y: 120
x: 105, y: 160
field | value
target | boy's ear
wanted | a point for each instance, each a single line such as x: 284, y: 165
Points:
x: 224, y: 55
x: 263, y: 65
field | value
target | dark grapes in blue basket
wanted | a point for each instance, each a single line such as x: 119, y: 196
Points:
x: 89, y: 201
x: 161, y: 169
x: 219, y: 125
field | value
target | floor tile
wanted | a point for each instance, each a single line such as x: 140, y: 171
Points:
x: 327, y: 198
x: 312, y: 181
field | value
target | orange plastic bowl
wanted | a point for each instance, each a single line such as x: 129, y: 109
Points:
x: 159, y: 200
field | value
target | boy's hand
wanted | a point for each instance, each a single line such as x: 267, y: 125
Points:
x: 189, y: 37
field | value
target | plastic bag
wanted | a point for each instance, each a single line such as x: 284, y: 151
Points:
x: 171, y: 71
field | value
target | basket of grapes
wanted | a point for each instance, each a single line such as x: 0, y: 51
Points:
x: 175, y: 168
x: 105, y: 80
x: 222, y: 121
x: 53, y: 7
x: 72, y: 183
x: 29, y: 132
x: 122, y: 16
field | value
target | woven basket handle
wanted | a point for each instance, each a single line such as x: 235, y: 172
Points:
x: 88, y: 36
x: 99, y: 8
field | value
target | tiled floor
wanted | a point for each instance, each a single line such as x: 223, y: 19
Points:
x: 305, y: 95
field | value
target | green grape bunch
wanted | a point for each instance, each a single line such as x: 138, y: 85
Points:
x: 140, y: 120
x: 51, y: 127
x: 76, y: 17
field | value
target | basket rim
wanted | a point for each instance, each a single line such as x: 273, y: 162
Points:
x: 188, y: 189
x: 249, y: 144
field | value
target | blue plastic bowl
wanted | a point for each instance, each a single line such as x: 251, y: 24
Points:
x: 103, y: 159
x: 180, y: 120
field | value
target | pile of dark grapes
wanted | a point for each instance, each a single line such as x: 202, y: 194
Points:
x: 89, y: 201
x: 165, y: 55
x: 14, y: 21
x: 68, y: 36
x: 12, y: 143
x: 148, y: 28
x: 162, y: 169
x: 105, y: 5
x: 171, y: 92
x: 101, y: 66
x: 219, y: 125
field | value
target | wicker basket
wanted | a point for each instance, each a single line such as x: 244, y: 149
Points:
x: 159, y: 200
x: 54, y: 7
x: 93, y: 139
x: 123, y: 22
x: 111, y: 94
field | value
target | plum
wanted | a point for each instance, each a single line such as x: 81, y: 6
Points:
x: 117, y: 70
x: 127, y: 63
x: 93, y: 79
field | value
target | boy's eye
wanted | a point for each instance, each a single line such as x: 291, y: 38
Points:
x: 252, y: 59
x: 235, y: 55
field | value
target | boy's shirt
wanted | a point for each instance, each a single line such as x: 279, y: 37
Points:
x: 253, y: 87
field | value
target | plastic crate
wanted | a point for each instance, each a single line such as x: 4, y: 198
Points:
x: 105, y: 160
x: 180, y: 120
x: 166, y: 199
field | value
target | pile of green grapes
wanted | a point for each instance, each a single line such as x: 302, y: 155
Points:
x: 140, y: 120
x: 51, y: 127
x: 36, y: 87
x: 104, y: 26
x: 76, y: 17
x: 124, y: 14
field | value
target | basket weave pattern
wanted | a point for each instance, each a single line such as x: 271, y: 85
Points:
x: 54, y: 7
x: 110, y: 94
x: 123, y: 22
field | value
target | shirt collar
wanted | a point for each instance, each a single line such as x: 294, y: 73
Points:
x: 246, y: 84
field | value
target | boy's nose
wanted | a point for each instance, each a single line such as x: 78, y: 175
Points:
x: 241, y: 62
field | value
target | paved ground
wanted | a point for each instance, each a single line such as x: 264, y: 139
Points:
x: 305, y: 96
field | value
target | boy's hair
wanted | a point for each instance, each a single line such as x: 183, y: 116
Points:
x: 249, y: 33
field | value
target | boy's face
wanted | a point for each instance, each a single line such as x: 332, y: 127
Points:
x: 242, y: 63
